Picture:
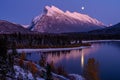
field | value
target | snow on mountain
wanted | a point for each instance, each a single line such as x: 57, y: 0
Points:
x: 54, y: 20
x: 8, y: 27
x: 25, y: 26
x: 51, y: 10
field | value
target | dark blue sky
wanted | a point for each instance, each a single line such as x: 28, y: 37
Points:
x: 23, y: 11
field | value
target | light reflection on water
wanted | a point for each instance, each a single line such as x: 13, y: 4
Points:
x: 107, y: 54
x: 82, y: 59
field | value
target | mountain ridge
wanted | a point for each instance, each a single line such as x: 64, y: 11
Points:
x: 115, y: 29
x: 54, y: 20
x: 9, y: 27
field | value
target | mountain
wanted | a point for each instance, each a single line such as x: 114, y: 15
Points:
x: 54, y: 20
x: 115, y: 29
x: 8, y: 27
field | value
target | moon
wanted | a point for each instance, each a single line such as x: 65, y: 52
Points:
x: 82, y: 7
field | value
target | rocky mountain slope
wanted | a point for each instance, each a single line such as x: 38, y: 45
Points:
x: 54, y: 20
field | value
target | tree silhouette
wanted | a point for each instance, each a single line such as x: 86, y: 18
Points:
x: 42, y: 61
x: 52, y: 66
x: 48, y: 72
x: 3, y: 59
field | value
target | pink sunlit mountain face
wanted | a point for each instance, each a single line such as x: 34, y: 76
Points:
x: 54, y: 20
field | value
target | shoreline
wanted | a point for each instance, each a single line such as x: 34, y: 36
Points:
x: 49, y: 49
x: 61, y: 49
x: 90, y: 41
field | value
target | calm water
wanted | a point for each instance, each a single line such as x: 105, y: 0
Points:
x: 106, y: 53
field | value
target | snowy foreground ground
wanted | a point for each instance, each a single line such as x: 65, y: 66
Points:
x: 27, y: 75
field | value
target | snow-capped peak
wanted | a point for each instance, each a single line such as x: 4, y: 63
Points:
x: 87, y: 18
x: 56, y: 9
x: 52, y: 10
x: 54, y: 19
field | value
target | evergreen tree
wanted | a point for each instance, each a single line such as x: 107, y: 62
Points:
x: 11, y: 58
x: 42, y: 61
x: 6, y: 61
x: 14, y: 52
x: 3, y: 59
x: 48, y: 72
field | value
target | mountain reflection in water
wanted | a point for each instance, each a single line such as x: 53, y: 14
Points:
x: 106, y: 53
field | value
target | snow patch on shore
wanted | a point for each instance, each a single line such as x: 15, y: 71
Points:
x: 77, y: 77
x: 27, y: 75
x: 24, y: 74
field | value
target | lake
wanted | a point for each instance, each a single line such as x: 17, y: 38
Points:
x: 106, y: 53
